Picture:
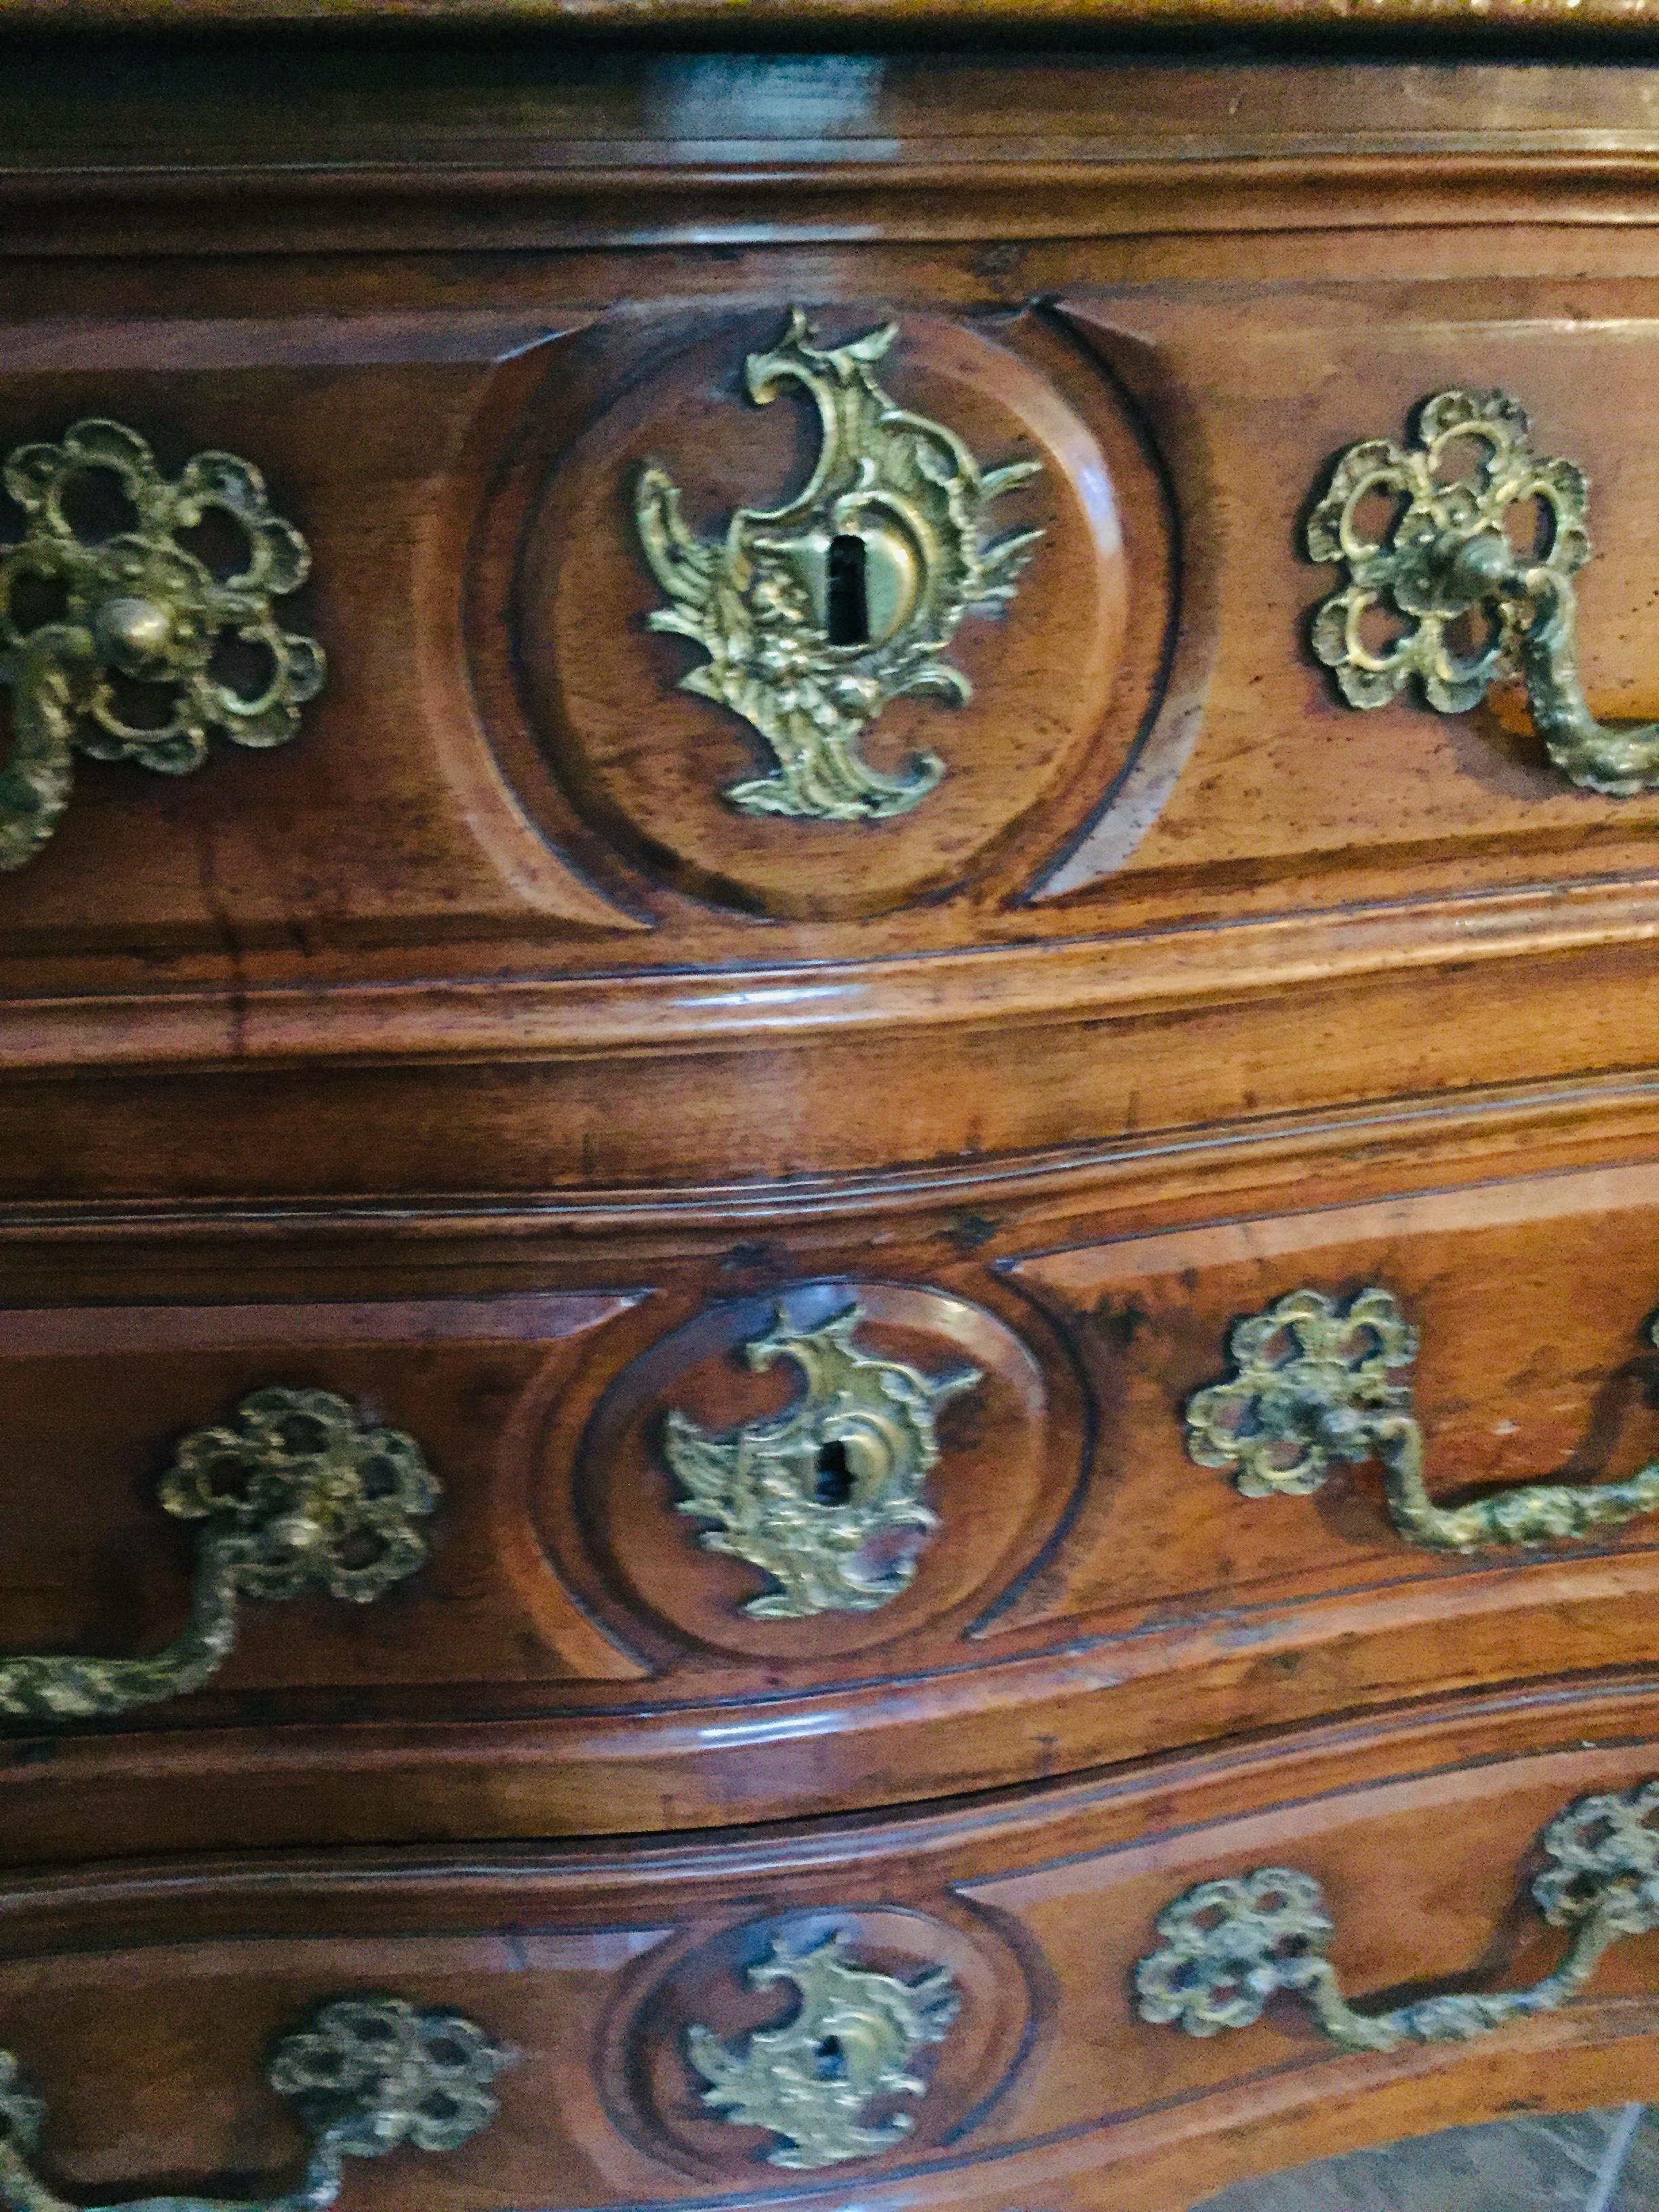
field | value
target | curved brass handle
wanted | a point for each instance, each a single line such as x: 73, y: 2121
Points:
x: 366, y: 2074
x: 816, y: 615
x: 1446, y: 557
x: 297, y: 1489
x: 1314, y: 1381
x: 120, y: 645
x: 1228, y: 1945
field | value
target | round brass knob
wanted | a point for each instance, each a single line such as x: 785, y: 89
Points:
x: 133, y: 631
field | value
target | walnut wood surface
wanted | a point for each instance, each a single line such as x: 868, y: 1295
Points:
x: 465, y: 1056
x: 837, y: 20
x: 1234, y: 897
x: 142, y: 1998
x: 572, y: 1660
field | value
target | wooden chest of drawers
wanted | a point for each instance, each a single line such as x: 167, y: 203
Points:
x: 828, y: 1120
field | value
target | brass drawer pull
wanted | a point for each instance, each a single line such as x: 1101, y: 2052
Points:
x: 298, y: 1489
x: 801, y: 1496
x: 366, y: 2074
x: 1447, y: 559
x: 816, y: 615
x: 97, y: 629
x: 1314, y: 1381
x: 852, y: 2040
x: 1228, y: 1945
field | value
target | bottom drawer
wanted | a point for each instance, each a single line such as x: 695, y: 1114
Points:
x: 935, y: 2010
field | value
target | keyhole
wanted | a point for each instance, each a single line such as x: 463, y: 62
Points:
x: 848, y: 611
x: 834, y: 1486
x: 829, y: 2060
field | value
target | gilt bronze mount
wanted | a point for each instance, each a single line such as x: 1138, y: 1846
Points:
x: 852, y: 2038
x: 804, y: 1496
x: 816, y: 615
x: 1228, y: 1945
x: 1445, y: 562
x: 1317, y: 1381
x: 115, y: 646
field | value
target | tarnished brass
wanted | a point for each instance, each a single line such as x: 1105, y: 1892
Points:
x: 297, y: 1490
x: 816, y: 614
x: 115, y: 645
x: 365, y: 2076
x: 1315, y: 1381
x: 852, y: 2040
x: 1228, y: 1945
x: 1470, y: 604
x: 805, y: 1496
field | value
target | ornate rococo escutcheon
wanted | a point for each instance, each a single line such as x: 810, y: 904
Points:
x: 298, y: 1490
x: 1446, y: 557
x: 816, y: 614
x: 365, y: 2076
x: 803, y: 1496
x: 852, y: 2038
x: 119, y: 655
x: 1316, y: 1382
x: 1228, y: 1945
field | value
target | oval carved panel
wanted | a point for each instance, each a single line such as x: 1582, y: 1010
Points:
x: 1028, y: 604
x: 801, y: 1476
x: 880, y: 1995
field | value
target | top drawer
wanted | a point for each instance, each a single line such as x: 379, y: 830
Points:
x: 898, y: 593
x: 504, y: 785
x: 645, y: 624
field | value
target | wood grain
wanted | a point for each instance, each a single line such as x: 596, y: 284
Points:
x: 142, y: 1998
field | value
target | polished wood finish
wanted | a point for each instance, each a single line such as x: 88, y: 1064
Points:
x: 1092, y: 1595
x: 149, y: 1991
x: 472, y: 1057
x: 1627, y: 20
x: 422, y: 895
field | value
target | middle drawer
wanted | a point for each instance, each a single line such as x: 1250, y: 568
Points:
x: 599, y: 1558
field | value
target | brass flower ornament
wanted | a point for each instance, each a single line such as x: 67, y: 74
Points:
x: 1318, y: 1381
x: 1228, y: 1945
x: 365, y: 2074
x: 1471, y: 572
x: 115, y: 645
x: 298, y: 1490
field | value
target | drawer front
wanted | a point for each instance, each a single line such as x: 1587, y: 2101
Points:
x: 532, y: 820
x: 788, y: 1531
x: 965, y: 1981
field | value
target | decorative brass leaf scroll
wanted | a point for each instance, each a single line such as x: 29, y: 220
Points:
x: 803, y: 1497
x: 297, y: 1490
x: 816, y: 614
x: 115, y: 646
x: 1228, y: 1945
x: 852, y: 2040
x: 365, y: 2076
x: 1315, y: 1381
x: 1446, y: 560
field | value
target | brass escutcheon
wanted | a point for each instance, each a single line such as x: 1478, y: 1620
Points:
x: 802, y: 1497
x: 816, y: 615
x: 853, y: 2038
